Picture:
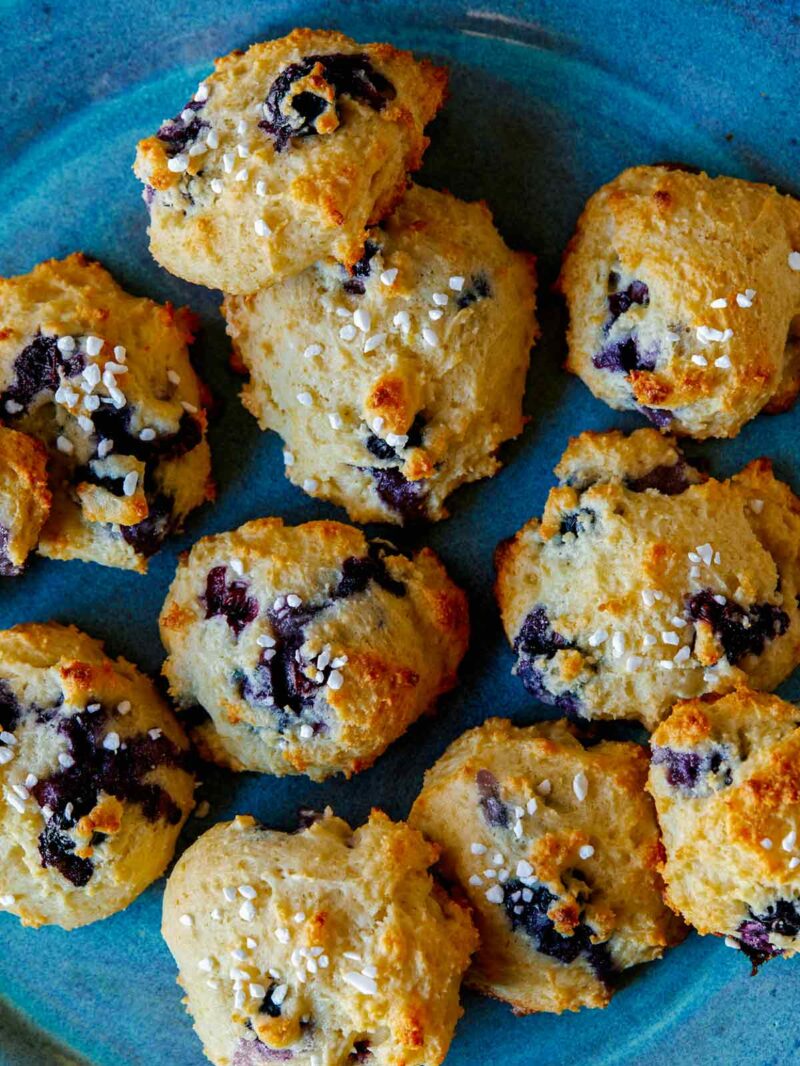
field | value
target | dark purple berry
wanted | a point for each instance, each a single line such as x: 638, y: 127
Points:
x: 494, y: 810
x: 623, y: 356
x: 406, y: 498
x: 659, y: 416
x: 668, y: 480
x: 741, y: 631
x: 10, y: 709
x: 537, y: 636
x: 477, y: 289
x: 621, y: 302
x: 254, y: 1053
x: 687, y: 769
x: 147, y: 536
x: 531, y: 915
x: 782, y: 918
x: 7, y: 568
x: 358, y: 572
x: 379, y: 448
x: 350, y: 75
x: 268, y: 1004
x: 577, y: 522
x: 36, y: 370
x: 96, y: 770
x: 533, y: 680
x: 177, y: 134
x: 354, y: 285
x: 229, y: 600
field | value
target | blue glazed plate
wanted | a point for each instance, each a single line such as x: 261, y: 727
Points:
x: 549, y: 100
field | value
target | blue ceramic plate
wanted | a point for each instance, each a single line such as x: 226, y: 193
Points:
x: 549, y: 100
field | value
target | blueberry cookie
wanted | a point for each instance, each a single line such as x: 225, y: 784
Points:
x: 95, y: 778
x: 325, y: 946
x: 725, y: 776
x: 645, y: 583
x: 396, y: 381
x: 684, y: 299
x: 103, y: 380
x: 283, y: 156
x: 310, y: 648
x: 556, y: 848
x: 24, y: 498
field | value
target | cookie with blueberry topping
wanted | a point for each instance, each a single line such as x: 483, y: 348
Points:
x: 310, y: 648
x: 645, y: 582
x: 24, y: 498
x: 285, y: 154
x: 397, y: 381
x: 684, y: 299
x: 556, y: 848
x: 326, y: 945
x: 103, y: 380
x: 725, y: 777
x: 96, y: 778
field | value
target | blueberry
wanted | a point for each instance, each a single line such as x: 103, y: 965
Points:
x: 477, y: 289
x: 177, y: 134
x: 255, y: 1053
x: 531, y: 915
x: 7, y: 568
x: 537, y: 637
x: 379, y: 448
x: 354, y: 285
x: 668, y: 480
x: 36, y: 370
x: 229, y: 600
x: 147, y: 536
x: 278, y: 680
x: 112, y: 423
x: 533, y: 680
x: 349, y: 75
x: 494, y: 810
x: 96, y: 770
x: 623, y: 356
x: 659, y: 416
x: 10, y: 709
x: 687, y: 769
x: 358, y: 572
x: 577, y: 522
x: 621, y: 302
x: 406, y: 498
x: 782, y: 918
x: 741, y: 631
x: 268, y: 1005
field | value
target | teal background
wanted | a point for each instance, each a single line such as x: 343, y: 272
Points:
x: 549, y: 100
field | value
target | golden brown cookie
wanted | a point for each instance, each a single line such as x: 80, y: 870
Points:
x: 556, y: 848
x: 95, y: 778
x: 645, y: 582
x: 103, y: 380
x: 725, y: 776
x: 328, y: 945
x: 684, y: 299
x: 284, y: 155
x: 396, y: 381
x: 310, y: 648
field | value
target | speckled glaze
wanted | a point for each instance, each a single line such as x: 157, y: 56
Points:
x: 548, y: 101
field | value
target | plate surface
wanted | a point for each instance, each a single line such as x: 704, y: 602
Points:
x: 548, y: 101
